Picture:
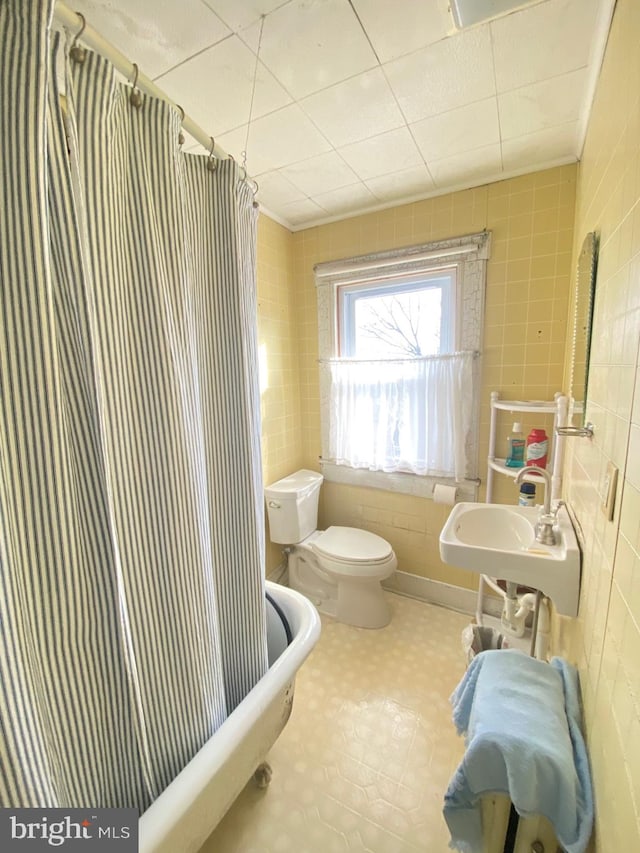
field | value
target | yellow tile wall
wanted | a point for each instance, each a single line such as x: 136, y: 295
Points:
x: 605, y: 638
x: 278, y: 345
x: 528, y: 277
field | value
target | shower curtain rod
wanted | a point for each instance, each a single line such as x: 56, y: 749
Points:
x: 71, y: 21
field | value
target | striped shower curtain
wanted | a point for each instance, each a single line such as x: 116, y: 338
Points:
x: 131, y: 521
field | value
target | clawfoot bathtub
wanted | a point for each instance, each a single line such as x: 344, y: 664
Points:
x: 187, y: 811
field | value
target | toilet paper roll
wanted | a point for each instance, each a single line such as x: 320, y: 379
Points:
x: 445, y: 494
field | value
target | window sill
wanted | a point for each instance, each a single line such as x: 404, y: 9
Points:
x: 407, y: 484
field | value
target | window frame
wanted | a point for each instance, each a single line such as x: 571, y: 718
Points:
x: 469, y: 255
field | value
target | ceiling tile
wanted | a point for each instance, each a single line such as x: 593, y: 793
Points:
x: 302, y: 212
x: 346, y: 200
x: 234, y: 143
x: 458, y: 130
x: 238, y: 15
x: 537, y: 150
x: 354, y: 109
x: 404, y: 184
x: 468, y: 167
x: 252, y: 36
x: 542, y: 41
x: 311, y: 45
x: 215, y: 87
x: 320, y: 174
x: 278, y: 139
x: 445, y: 75
x: 380, y: 155
x: 545, y: 104
x: 275, y: 190
x: 157, y: 36
x: 403, y: 26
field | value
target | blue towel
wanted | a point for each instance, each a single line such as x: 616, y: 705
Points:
x: 522, y: 722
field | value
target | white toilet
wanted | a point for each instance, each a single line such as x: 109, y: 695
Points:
x: 339, y: 569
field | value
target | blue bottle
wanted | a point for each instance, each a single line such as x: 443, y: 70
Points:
x: 515, y: 448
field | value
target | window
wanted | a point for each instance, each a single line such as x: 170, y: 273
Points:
x: 399, y: 333
x: 403, y: 317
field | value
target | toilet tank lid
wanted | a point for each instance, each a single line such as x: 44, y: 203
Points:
x: 295, y: 485
x: 352, y: 545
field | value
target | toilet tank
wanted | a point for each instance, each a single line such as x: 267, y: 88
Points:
x: 292, y: 505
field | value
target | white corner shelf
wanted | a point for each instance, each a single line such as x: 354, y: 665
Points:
x: 558, y: 408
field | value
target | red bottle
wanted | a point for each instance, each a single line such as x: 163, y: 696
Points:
x: 537, y: 448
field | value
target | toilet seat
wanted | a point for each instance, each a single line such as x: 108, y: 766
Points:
x: 349, y: 545
x: 347, y: 553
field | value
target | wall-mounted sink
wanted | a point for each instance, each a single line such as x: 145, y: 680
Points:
x: 499, y: 540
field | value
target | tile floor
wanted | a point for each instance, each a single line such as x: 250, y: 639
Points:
x: 367, y: 754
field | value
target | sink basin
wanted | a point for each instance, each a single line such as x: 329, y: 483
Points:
x: 499, y: 540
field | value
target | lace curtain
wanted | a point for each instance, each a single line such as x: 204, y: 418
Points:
x: 411, y: 415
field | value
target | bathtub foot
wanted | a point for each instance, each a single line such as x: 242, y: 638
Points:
x: 263, y: 774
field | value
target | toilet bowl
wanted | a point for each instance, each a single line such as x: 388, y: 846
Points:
x: 339, y: 569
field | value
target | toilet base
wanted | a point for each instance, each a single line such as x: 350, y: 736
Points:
x: 318, y: 588
x: 363, y: 604
x: 360, y: 603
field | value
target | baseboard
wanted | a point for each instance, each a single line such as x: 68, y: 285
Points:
x: 444, y: 594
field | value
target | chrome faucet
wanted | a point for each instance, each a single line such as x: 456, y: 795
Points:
x: 546, y: 520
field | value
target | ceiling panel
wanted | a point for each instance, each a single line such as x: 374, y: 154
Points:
x: 320, y: 174
x: 541, y: 105
x: 458, y: 130
x: 276, y: 190
x: 238, y: 14
x: 403, y: 26
x: 346, y: 200
x: 354, y: 109
x: 311, y: 45
x: 362, y: 103
x: 223, y: 75
x: 542, y: 41
x: 407, y: 183
x: 554, y: 144
x: 156, y: 36
x: 303, y: 212
x: 380, y: 155
x: 279, y: 139
x: 464, y: 169
x: 445, y: 75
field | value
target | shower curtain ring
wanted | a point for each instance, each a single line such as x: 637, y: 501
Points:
x: 257, y: 187
x: 76, y: 51
x: 180, y: 134
x: 212, y: 163
x: 135, y: 98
